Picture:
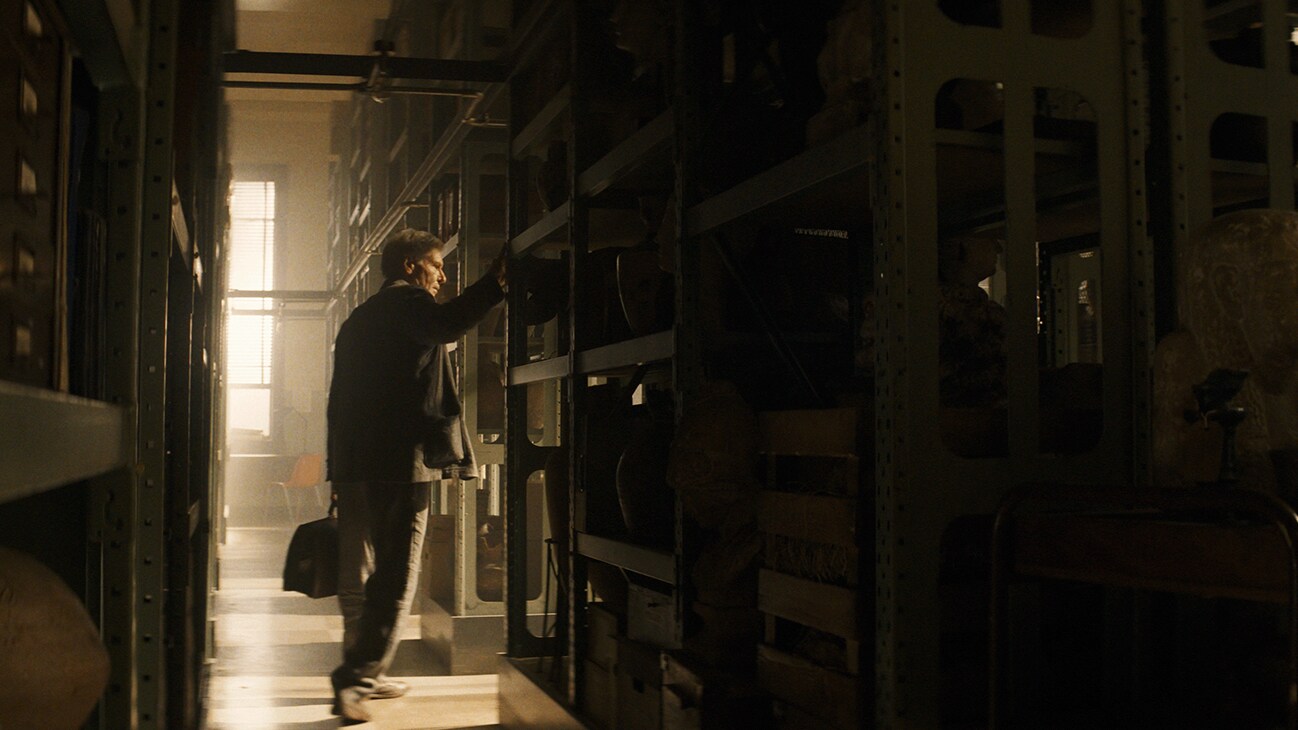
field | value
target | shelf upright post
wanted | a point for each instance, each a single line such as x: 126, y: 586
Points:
x: 182, y: 421
x: 1141, y: 253
x: 128, y: 512
x: 466, y: 498
x: 522, y: 457
x: 516, y: 458
x: 112, y: 516
x: 584, y: 26
x: 156, y: 245
x: 467, y: 603
x: 687, y: 365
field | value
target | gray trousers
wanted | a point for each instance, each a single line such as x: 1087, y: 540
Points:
x: 381, y: 529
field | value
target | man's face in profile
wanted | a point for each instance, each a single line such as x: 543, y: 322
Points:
x: 429, y: 272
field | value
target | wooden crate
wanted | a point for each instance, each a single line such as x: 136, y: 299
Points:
x: 820, y: 692
x: 639, y: 686
x: 599, y: 702
x: 831, y: 609
x: 825, y: 432
x: 602, y: 632
x: 810, y: 514
x: 651, y: 617
x: 812, y: 536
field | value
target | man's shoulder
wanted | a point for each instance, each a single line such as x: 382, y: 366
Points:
x: 391, y: 296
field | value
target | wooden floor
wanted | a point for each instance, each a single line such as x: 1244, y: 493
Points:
x: 274, y: 652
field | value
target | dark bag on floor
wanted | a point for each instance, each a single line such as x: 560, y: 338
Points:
x: 311, y: 566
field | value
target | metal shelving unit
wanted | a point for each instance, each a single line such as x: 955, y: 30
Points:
x: 544, y: 231
x: 131, y: 454
x: 884, y: 175
x: 50, y: 439
x: 922, y: 487
x: 137, y: 456
x: 830, y: 176
x: 644, y: 159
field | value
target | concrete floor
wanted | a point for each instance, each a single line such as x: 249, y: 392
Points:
x: 274, y: 651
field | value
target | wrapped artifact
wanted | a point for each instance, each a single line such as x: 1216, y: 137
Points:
x: 713, y: 462
x: 53, y: 667
x: 844, y: 67
x: 1236, y: 287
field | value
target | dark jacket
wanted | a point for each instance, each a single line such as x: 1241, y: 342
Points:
x: 394, y: 411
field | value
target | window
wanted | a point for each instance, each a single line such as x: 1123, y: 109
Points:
x: 250, y: 323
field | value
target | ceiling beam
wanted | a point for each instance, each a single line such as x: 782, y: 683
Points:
x: 325, y: 64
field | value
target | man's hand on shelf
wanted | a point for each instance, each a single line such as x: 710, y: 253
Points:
x: 500, y: 267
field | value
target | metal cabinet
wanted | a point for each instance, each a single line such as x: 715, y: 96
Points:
x: 129, y: 252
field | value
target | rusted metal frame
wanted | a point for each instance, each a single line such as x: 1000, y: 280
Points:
x: 581, y: 30
x: 1238, y: 503
x: 356, y: 87
x: 887, y: 202
x: 1141, y: 251
x: 522, y: 457
x: 156, y: 238
x: 687, y: 358
x: 1203, y: 87
x: 913, y: 467
x: 183, y: 419
x: 113, y: 510
x: 472, y: 167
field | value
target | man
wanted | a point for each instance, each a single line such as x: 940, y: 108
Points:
x: 394, y: 428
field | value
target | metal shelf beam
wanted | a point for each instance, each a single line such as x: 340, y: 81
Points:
x: 48, y: 439
x: 783, y: 181
x: 658, y: 346
x: 542, y: 370
x: 523, y: 243
x: 628, y: 156
x: 329, y: 64
x: 542, y: 125
x: 646, y: 561
x: 287, y: 295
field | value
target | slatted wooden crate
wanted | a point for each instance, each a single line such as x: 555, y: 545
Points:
x: 810, y: 517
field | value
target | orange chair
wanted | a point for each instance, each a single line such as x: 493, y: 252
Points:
x: 308, y: 473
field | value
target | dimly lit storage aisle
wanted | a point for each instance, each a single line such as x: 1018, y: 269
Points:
x: 111, y: 230
x: 766, y: 477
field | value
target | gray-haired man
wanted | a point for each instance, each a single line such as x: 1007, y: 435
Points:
x: 394, y: 428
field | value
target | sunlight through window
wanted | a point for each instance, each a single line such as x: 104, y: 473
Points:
x: 250, y: 322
